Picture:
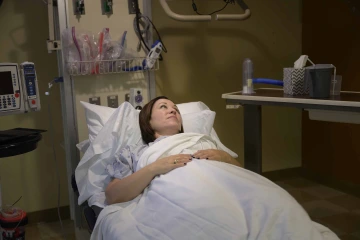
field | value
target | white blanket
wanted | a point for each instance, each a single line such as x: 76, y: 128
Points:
x: 206, y: 200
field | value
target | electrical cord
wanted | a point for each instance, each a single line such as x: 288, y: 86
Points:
x: 146, y: 28
x: 16, y: 201
x: 158, y: 34
x: 226, y: 4
x: 56, y: 80
x: 146, y: 24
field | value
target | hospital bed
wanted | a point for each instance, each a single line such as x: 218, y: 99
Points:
x: 97, y: 117
x: 112, y: 129
x: 90, y: 212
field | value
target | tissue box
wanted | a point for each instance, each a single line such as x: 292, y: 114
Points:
x: 295, y: 82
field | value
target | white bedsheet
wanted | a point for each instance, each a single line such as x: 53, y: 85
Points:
x: 206, y: 200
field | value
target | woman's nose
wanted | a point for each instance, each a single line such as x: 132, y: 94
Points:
x: 173, y: 111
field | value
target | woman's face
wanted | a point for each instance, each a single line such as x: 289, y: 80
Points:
x: 165, y: 118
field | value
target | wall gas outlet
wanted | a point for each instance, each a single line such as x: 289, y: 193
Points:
x: 113, y: 101
x: 79, y: 7
x: 107, y: 7
x: 131, y: 5
x: 94, y: 100
x: 136, y: 98
x: 127, y: 97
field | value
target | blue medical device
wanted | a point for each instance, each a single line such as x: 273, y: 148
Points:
x: 19, y: 92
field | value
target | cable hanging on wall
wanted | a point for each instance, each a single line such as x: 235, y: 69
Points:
x: 226, y: 4
x: 145, y: 22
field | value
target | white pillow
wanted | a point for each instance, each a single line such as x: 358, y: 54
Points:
x: 121, y: 129
x: 193, y: 107
x: 197, y: 117
x: 199, y: 122
x: 96, y: 117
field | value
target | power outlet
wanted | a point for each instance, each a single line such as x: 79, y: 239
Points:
x: 113, y: 101
x: 94, y: 100
x: 131, y: 5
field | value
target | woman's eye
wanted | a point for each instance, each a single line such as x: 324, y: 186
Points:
x: 163, y: 106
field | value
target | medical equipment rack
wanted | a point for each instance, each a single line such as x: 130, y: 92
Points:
x: 72, y: 155
x: 78, y: 68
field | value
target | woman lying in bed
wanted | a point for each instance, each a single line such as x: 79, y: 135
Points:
x: 180, y: 186
x: 158, y: 119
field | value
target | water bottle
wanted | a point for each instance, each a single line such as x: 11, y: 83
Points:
x: 248, y: 72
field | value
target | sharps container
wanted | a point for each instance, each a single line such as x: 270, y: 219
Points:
x: 319, y: 78
x: 12, y: 223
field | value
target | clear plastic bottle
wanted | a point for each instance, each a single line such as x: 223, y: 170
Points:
x: 248, y: 72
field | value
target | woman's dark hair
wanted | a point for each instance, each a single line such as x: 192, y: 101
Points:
x: 147, y: 133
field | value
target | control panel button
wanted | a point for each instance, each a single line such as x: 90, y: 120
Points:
x: 17, y: 95
x: 33, y: 102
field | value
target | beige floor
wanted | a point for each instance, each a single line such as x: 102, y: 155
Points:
x: 332, y: 208
x: 50, y: 231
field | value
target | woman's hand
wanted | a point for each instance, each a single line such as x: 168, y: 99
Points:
x: 215, y: 154
x: 212, y: 154
x: 166, y: 164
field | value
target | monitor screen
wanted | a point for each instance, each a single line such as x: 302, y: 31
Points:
x: 6, y: 85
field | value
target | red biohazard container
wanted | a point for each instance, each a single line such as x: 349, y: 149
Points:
x: 12, y: 224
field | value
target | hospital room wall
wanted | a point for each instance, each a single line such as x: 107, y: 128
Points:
x: 32, y: 175
x: 204, y: 60
x: 334, y: 40
x: 102, y: 86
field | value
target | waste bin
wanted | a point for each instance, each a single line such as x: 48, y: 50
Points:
x: 12, y: 223
x: 319, y: 78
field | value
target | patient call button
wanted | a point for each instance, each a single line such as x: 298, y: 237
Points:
x: 16, y: 95
x: 33, y: 102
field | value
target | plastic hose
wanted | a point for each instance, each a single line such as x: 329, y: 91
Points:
x: 268, y: 81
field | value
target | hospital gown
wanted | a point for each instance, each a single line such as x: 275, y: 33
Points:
x: 126, y: 161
